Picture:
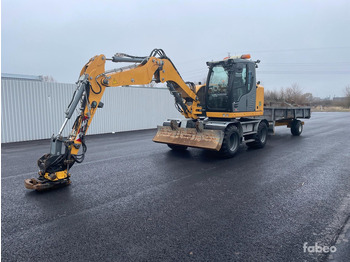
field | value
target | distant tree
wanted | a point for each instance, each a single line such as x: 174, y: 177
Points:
x: 290, y: 95
x: 272, y: 96
x: 308, y: 97
x: 347, y: 95
x: 282, y: 94
x: 294, y: 94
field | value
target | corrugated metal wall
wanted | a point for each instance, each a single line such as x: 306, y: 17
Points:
x: 35, y: 110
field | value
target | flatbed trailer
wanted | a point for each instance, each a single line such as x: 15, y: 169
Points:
x: 286, y: 116
x: 273, y: 116
x: 187, y: 131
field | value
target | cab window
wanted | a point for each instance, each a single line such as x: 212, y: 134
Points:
x: 239, y: 82
x: 218, y: 88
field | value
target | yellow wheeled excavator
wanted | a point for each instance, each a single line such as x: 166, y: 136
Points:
x: 218, y: 115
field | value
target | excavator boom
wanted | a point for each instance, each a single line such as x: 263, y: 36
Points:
x: 93, y: 80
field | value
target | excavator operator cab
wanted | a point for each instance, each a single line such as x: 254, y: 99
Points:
x: 231, y: 85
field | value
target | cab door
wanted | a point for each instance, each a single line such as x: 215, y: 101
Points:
x: 243, y: 87
x: 251, y: 88
x: 239, y: 88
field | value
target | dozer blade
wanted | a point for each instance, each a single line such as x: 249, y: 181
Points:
x: 41, y: 185
x: 207, y: 139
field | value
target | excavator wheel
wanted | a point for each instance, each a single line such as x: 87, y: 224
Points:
x: 260, y: 137
x: 43, y: 184
x: 231, y: 142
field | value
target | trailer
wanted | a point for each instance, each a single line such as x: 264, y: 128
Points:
x: 252, y: 131
x: 286, y: 116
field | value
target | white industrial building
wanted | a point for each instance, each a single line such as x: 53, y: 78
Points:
x: 33, y: 109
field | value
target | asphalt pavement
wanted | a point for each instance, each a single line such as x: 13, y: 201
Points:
x: 135, y: 200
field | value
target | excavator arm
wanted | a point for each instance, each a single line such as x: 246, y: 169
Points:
x: 54, y: 167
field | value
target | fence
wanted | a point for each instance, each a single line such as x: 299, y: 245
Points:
x: 33, y: 110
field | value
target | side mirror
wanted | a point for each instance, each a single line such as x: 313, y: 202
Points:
x: 256, y: 63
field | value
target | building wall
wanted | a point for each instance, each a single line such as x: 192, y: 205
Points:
x: 33, y: 110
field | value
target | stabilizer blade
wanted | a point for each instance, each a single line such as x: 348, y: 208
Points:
x: 207, y: 139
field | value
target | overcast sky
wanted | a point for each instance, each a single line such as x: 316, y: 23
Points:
x: 304, y: 42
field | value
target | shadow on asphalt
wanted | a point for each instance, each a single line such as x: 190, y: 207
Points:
x: 60, y: 193
x: 202, y: 155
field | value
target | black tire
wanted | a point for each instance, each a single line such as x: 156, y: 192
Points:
x: 296, y: 128
x: 177, y: 147
x: 231, y: 142
x: 260, y: 137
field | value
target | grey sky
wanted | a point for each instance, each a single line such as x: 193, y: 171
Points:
x: 304, y: 42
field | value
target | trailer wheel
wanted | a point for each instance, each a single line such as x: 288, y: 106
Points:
x: 231, y: 142
x: 296, y: 128
x: 260, y: 137
x: 177, y: 147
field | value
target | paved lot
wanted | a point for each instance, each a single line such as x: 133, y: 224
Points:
x: 135, y: 200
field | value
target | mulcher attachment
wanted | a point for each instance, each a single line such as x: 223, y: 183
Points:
x: 54, y: 167
x: 42, y: 184
x: 53, y: 171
